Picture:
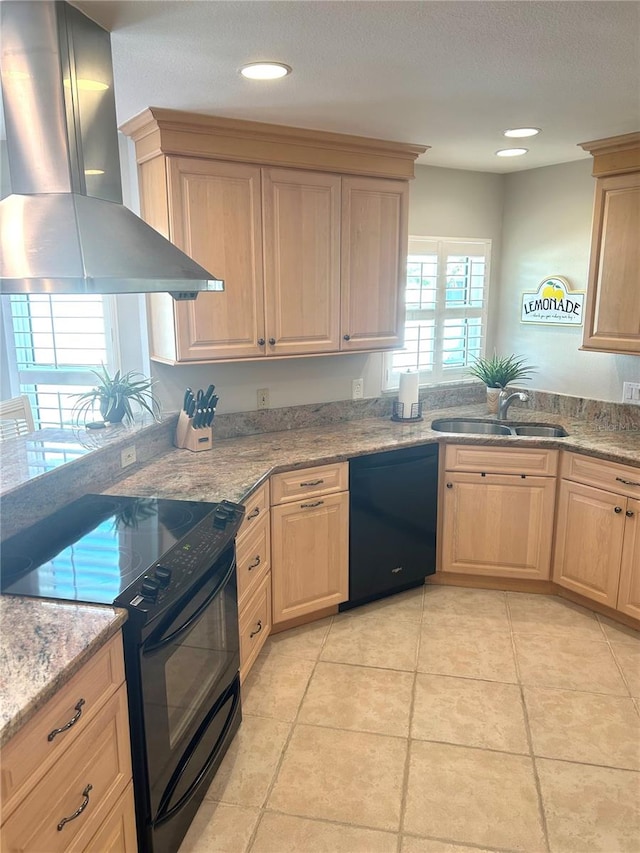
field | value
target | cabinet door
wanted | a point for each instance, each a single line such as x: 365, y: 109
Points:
x: 613, y: 301
x: 309, y: 558
x: 498, y: 524
x: 373, y: 262
x: 302, y: 261
x: 629, y: 591
x: 215, y: 215
x: 589, y: 534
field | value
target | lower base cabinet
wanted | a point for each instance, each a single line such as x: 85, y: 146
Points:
x: 253, y: 556
x: 497, y: 514
x: 309, y: 541
x: 597, y: 551
x: 78, y: 788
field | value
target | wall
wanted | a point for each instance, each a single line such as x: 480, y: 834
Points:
x: 547, y: 231
x: 444, y: 202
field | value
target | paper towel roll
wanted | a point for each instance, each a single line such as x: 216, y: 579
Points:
x: 408, y: 393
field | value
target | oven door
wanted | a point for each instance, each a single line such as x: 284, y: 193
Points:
x: 188, y: 664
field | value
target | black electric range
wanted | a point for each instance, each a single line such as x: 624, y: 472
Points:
x: 172, y: 565
x: 99, y: 548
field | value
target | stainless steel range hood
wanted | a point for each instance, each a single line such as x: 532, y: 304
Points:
x: 64, y: 229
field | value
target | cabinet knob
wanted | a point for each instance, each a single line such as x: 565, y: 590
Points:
x: 347, y: 337
x: 617, y: 509
x: 629, y: 513
x: 449, y: 485
x: 272, y: 341
x: 261, y: 342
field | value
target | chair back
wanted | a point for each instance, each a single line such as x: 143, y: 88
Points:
x: 15, y: 417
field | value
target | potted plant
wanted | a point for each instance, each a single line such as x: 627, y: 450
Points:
x: 497, y: 372
x: 115, y: 394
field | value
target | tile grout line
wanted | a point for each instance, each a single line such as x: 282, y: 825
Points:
x: 615, y: 658
x: 536, y: 777
x: 285, y: 747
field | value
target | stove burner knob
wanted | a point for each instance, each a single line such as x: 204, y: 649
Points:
x: 163, y: 576
x: 149, y: 589
x: 220, y: 517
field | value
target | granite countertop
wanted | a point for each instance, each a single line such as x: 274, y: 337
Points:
x: 235, y: 466
x: 30, y: 672
x: 44, y: 643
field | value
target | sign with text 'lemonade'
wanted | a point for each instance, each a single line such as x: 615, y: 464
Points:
x: 553, y: 302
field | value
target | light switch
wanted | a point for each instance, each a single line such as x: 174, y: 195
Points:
x: 631, y: 393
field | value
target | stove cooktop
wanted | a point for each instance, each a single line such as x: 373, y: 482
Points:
x: 93, y: 549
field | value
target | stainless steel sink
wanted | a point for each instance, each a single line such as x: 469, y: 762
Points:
x: 461, y: 425
x: 546, y: 431
x: 477, y: 427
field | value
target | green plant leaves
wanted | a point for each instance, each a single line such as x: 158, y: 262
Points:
x: 498, y: 371
x: 118, y: 392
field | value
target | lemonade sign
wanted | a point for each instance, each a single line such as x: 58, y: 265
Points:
x: 553, y: 302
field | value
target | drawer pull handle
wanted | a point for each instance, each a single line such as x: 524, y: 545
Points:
x: 312, y: 483
x: 79, y: 810
x: 627, y: 482
x: 261, y: 342
x: 257, y: 631
x: 253, y: 514
x: 629, y: 513
x: 617, y: 509
x: 256, y: 562
x: 72, y: 721
x: 308, y: 506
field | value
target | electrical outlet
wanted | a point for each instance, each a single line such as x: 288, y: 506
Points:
x: 128, y: 456
x: 357, y: 389
x: 263, y: 398
x: 631, y: 393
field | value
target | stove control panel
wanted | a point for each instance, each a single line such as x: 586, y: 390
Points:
x: 194, y: 554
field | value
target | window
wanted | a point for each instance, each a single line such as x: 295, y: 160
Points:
x: 446, y: 303
x: 53, y: 342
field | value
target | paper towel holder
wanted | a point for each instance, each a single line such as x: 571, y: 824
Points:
x: 398, y: 413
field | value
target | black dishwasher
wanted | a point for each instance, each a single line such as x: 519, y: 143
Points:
x: 392, y: 538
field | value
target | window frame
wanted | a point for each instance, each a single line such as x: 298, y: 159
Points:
x: 442, y: 247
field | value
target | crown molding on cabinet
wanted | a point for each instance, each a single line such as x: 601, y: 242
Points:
x: 614, y: 155
x: 162, y: 131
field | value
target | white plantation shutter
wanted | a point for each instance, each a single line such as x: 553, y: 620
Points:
x: 54, y: 342
x: 446, y: 302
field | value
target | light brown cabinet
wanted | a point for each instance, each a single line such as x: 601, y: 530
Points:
x: 310, y: 541
x: 73, y: 790
x: 307, y: 229
x: 597, y: 552
x: 612, y: 322
x: 498, y: 507
x: 253, y: 558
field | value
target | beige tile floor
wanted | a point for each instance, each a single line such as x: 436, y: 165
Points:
x: 442, y: 720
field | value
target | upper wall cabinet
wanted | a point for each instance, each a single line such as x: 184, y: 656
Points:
x: 612, y: 321
x: 307, y: 229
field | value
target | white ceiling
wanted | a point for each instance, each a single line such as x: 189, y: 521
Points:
x: 451, y: 75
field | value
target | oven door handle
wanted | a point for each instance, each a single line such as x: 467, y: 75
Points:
x: 150, y: 647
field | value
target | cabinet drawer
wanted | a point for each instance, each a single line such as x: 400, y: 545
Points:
x: 118, y: 832
x: 30, y: 754
x: 100, y: 758
x: 255, y: 625
x: 253, y: 558
x: 511, y: 460
x: 255, y: 507
x: 623, y: 479
x: 307, y: 482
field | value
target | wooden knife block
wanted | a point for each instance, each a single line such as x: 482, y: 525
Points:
x: 192, y: 439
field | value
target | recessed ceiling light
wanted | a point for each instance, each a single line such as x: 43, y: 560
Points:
x: 522, y: 131
x: 265, y: 70
x: 511, y: 152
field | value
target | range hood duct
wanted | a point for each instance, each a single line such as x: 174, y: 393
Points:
x: 64, y: 229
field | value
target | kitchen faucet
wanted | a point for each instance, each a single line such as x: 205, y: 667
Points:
x: 505, y: 400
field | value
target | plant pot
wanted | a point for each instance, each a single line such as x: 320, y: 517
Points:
x: 111, y: 412
x: 493, y: 395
